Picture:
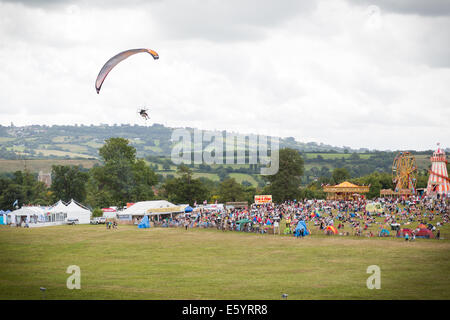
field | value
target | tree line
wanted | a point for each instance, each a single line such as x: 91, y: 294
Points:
x: 122, y: 177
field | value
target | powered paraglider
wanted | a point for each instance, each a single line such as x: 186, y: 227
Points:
x: 111, y: 63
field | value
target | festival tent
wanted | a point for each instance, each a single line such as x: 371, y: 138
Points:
x: 422, y: 226
x: 332, y: 229
x: 384, y: 233
x: 75, y: 211
x: 188, y: 209
x: 145, y: 223
x: 3, y: 217
x: 301, y: 226
x: 58, y: 207
x: 244, y: 221
x: 425, y: 233
x: 403, y: 232
x: 27, y: 214
x: 151, y: 208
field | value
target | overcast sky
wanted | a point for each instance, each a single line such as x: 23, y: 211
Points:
x: 352, y: 73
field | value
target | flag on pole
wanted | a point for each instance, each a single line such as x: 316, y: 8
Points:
x: 15, y: 203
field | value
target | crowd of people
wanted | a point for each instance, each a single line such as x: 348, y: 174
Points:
x: 359, y: 214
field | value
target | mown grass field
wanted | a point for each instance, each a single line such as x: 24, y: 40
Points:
x: 312, y: 155
x: 45, y: 165
x: 161, y: 263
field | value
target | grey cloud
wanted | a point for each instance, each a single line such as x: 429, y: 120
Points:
x: 59, y: 3
x: 224, y: 20
x: 419, y: 7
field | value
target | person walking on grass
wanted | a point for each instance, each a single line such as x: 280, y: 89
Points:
x: 276, y: 227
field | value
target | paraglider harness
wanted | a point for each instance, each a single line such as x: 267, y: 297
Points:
x: 143, y: 113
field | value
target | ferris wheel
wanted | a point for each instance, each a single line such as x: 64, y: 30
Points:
x: 404, y: 172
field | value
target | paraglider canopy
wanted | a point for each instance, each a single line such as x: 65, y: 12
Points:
x: 111, y: 63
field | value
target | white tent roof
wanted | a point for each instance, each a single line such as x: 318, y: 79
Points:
x: 73, y: 207
x: 28, y: 211
x: 151, y: 207
x: 58, y: 207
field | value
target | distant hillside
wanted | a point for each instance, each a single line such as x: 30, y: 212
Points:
x: 37, y: 148
x: 83, y: 142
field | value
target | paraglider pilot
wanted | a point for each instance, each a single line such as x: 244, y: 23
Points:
x: 143, y: 113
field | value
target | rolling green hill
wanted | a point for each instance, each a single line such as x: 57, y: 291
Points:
x: 38, y: 147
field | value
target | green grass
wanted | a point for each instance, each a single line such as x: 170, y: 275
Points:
x: 314, y: 155
x: 46, y: 152
x: 160, y: 263
x: 60, y: 139
x: 37, y: 165
x: 153, y: 148
x: 93, y: 144
x: 240, y: 177
x: 73, y: 148
x: 4, y: 139
x: 211, y: 176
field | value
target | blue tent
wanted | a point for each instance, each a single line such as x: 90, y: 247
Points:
x: 3, y: 217
x: 301, y: 225
x: 144, y: 223
x: 188, y: 209
x: 384, y: 233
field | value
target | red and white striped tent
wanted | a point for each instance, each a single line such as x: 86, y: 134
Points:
x: 438, y: 181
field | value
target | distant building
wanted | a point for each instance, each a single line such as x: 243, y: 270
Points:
x: 45, y: 178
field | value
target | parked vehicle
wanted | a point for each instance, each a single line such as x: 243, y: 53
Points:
x: 72, y: 221
x: 98, y: 220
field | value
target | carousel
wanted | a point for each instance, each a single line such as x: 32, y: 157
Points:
x: 345, y: 191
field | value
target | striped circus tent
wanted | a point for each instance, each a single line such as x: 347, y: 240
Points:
x: 438, y: 181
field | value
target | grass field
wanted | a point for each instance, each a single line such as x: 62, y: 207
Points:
x: 45, y: 165
x: 161, y: 263
x: 312, y: 155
